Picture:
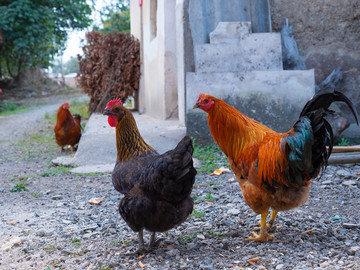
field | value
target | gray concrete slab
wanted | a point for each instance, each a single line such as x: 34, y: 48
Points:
x: 97, y: 147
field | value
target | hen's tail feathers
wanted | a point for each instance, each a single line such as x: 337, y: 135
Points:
x: 172, y: 175
x: 324, y: 98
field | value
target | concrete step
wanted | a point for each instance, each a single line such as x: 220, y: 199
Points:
x: 261, y: 51
x: 229, y: 32
x: 274, y: 98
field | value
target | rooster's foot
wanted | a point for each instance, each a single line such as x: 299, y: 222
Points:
x: 262, y: 237
x: 269, y: 227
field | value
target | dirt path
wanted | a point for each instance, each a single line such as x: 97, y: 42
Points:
x: 46, y: 211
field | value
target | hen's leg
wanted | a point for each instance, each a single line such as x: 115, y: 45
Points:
x: 152, y: 242
x: 263, y: 236
x: 141, y: 248
x: 141, y: 242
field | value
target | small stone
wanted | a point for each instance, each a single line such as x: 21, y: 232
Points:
x: 343, y: 174
x: 351, y: 226
x: 56, y: 197
x: 173, y: 252
x: 355, y: 248
x: 279, y: 266
x: 233, y: 212
x: 349, y: 183
x: 324, y: 264
x: 200, y: 236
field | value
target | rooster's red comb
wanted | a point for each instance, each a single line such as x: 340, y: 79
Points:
x: 113, y: 102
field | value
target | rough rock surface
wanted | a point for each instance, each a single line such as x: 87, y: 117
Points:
x: 327, y: 34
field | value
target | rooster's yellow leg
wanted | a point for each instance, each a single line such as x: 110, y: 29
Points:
x: 263, y: 236
x: 272, y: 218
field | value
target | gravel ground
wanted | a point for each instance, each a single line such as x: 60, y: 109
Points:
x: 52, y: 225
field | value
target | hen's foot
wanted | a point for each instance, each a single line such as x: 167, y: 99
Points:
x: 154, y: 244
x: 138, y: 252
x: 262, y: 237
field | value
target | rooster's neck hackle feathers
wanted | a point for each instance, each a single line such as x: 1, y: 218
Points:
x: 233, y: 131
x: 129, y: 142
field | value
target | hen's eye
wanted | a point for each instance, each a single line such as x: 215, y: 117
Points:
x: 206, y: 101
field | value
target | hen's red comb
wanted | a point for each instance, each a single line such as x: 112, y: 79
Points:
x: 113, y: 102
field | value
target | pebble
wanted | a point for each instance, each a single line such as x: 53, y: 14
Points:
x: 349, y: 182
x: 344, y: 174
x: 233, y: 212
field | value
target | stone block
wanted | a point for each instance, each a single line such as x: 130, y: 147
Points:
x: 274, y: 98
x: 253, y: 52
x: 230, y: 32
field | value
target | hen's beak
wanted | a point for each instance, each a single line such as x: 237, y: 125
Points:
x: 197, y: 105
x: 107, y: 112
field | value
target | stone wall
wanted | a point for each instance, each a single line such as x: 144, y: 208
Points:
x: 327, y: 33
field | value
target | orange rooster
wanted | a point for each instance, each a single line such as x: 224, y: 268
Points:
x: 274, y: 169
x: 67, y: 128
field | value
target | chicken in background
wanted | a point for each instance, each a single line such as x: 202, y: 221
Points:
x: 274, y: 170
x: 67, y: 128
x: 156, y: 187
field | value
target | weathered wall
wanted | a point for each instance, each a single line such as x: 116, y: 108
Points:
x: 154, y: 25
x: 327, y: 33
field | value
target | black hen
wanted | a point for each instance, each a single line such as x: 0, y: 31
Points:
x: 157, y: 187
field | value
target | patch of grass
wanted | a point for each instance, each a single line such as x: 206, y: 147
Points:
x: 216, y: 234
x: 36, y: 195
x: 208, y: 197
x: 213, y: 183
x: 210, y: 156
x: 81, y: 108
x: 56, y: 170
x: 198, y: 214
x: 50, y: 248
x: 19, y: 187
x: 88, y: 174
x: 8, y: 108
x: 195, y: 198
x: 343, y: 142
x: 76, y: 242
x: 187, y: 238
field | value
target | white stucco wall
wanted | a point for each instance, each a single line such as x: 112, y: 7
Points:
x: 158, y: 88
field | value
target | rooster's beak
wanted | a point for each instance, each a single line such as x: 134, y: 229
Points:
x: 107, y: 112
x: 197, y: 105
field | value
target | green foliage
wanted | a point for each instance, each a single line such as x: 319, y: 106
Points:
x: 117, y: 18
x: 8, y: 108
x: 81, y: 108
x: 76, y: 242
x: 198, y: 214
x: 343, y: 142
x: 210, y: 156
x: 56, y: 170
x: 19, y: 187
x: 71, y: 66
x: 35, y: 31
x: 187, y: 238
x: 208, y: 197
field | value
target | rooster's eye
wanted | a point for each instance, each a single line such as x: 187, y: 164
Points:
x: 206, y: 101
x: 116, y: 110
